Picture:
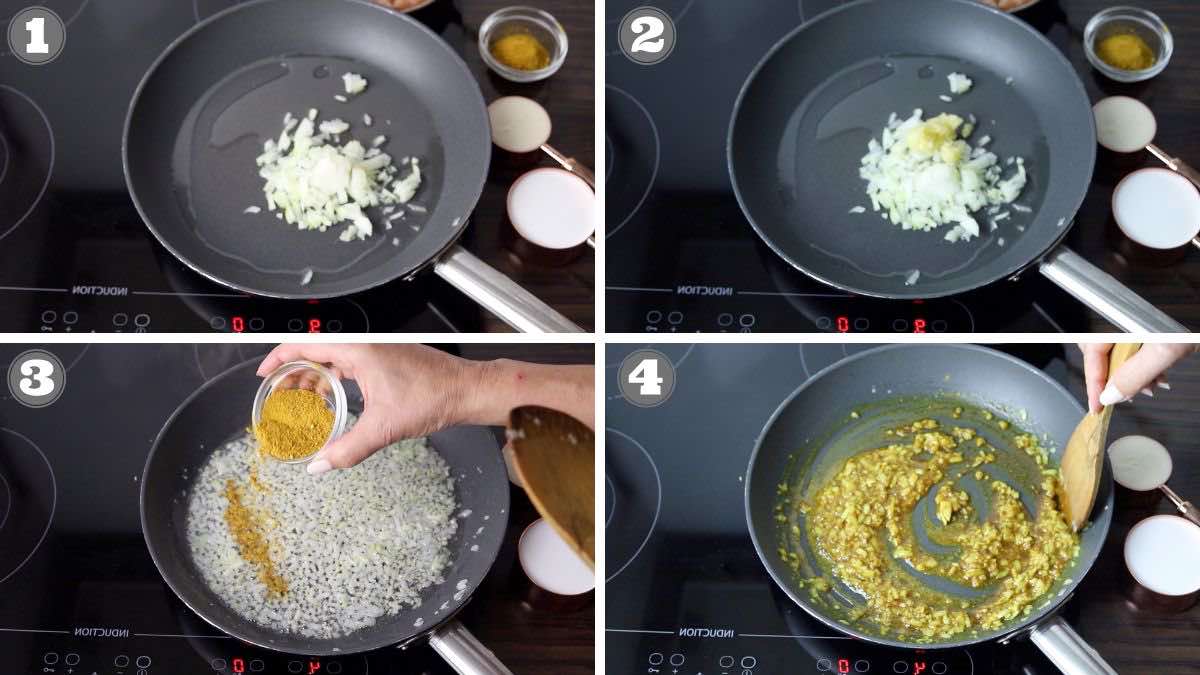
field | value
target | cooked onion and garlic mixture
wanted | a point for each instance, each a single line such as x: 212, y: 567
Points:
x: 321, y: 556
x: 923, y: 173
x: 861, y: 522
x: 314, y: 181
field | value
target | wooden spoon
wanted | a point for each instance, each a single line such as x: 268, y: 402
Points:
x: 554, y: 456
x: 1083, y: 460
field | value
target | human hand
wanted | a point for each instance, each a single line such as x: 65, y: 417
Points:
x: 408, y: 391
x: 1141, y: 373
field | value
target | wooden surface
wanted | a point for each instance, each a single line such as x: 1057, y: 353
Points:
x: 1136, y: 641
x: 569, y: 96
x: 1170, y: 280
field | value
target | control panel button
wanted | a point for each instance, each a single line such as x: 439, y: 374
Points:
x: 70, y: 318
x: 72, y: 659
x: 862, y: 666
x: 939, y: 667
x: 121, y: 661
x: 143, y: 671
x: 333, y: 667
x: 725, y: 320
x: 653, y: 316
x: 49, y: 316
x: 677, y: 659
x: 749, y: 662
x: 120, y: 319
x: 257, y: 665
x: 941, y: 326
x: 295, y: 325
x: 862, y: 324
x: 746, y: 321
x: 824, y: 665
x: 334, y: 326
x: 900, y: 325
x: 675, y: 318
x: 295, y: 667
x: 50, y: 658
x: 726, y: 661
x: 217, y: 323
x: 143, y: 662
x: 220, y: 664
x: 824, y: 323
x: 656, y: 659
x: 257, y: 324
x: 900, y: 667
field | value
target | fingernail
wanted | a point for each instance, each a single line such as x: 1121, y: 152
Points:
x: 1111, y: 396
x: 1148, y: 392
x: 1164, y: 385
x: 318, y: 467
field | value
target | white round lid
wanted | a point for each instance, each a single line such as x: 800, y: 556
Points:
x: 1157, y: 208
x: 1139, y: 462
x: 519, y: 124
x: 552, y: 208
x: 1163, y: 554
x: 1124, y: 124
x: 551, y: 564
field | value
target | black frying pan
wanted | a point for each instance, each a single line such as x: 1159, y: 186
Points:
x: 217, y: 412
x: 201, y: 114
x: 803, y: 118
x: 887, y: 385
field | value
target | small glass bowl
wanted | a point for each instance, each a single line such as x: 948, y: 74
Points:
x: 1143, y: 23
x: 541, y: 25
x: 311, y: 376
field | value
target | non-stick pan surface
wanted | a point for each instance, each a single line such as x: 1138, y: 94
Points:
x: 803, y: 119
x: 220, y: 410
x: 201, y: 114
x: 812, y: 430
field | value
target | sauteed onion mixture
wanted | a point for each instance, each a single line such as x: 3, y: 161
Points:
x: 893, y: 522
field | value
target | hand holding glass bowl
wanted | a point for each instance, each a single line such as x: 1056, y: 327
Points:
x: 310, y: 376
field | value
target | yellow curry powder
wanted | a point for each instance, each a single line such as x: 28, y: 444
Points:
x: 295, y: 424
x: 521, y: 51
x: 1126, y: 51
x: 246, y: 530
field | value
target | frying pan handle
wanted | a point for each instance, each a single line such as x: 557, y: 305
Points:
x: 1104, y: 294
x: 500, y: 295
x: 1065, y: 649
x: 571, y: 164
x: 465, y: 654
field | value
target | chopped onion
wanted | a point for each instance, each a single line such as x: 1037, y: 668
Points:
x: 355, y: 83
x: 315, y: 184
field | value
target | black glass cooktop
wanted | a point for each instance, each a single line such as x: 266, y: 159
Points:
x: 685, y: 592
x: 681, y: 255
x: 75, y: 255
x: 79, y: 594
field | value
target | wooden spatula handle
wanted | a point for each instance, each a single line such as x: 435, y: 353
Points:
x: 1121, y: 352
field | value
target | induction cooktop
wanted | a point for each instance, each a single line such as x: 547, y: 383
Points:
x: 74, y: 253
x: 681, y: 255
x: 686, y: 593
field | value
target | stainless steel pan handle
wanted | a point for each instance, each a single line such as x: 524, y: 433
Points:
x: 465, y: 654
x: 1104, y: 294
x: 500, y: 295
x: 1065, y: 649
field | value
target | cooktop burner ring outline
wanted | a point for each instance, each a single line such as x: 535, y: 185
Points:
x: 67, y: 22
x: 610, y: 231
x: 5, y: 510
x: 691, y: 347
x: 53, y: 502
x: 196, y: 9
x: 3, y: 155
x: 657, y: 505
x: 49, y: 167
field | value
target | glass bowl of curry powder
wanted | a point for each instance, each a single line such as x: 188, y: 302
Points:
x: 299, y: 409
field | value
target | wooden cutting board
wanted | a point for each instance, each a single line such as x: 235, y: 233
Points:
x: 554, y: 456
x: 1083, y: 460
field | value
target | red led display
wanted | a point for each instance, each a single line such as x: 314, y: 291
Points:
x: 313, y: 666
x: 239, y: 666
x: 918, y: 667
x: 843, y: 324
x: 314, y: 325
x: 918, y: 325
x: 843, y: 665
x: 239, y: 326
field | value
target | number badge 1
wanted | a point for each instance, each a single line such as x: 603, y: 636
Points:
x: 36, y: 35
x: 647, y: 35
